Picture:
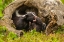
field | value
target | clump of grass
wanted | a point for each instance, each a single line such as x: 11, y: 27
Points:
x: 1, y: 40
x: 60, y: 30
x: 5, y: 35
x: 34, y: 36
x: 2, y: 33
x: 3, y: 4
x: 31, y: 36
x: 12, y: 35
x: 2, y: 30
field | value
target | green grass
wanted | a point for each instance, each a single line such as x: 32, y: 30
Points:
x: 31, y: 36
x: 3, y: 5
x: 62, y: 1
x: 39, y: 37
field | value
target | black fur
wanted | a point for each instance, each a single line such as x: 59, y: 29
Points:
x: 39, y: 25
x: 23, y: 22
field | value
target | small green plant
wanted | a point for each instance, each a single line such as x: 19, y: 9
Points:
x: 1, y: 8
x: 2, y: 29
x: 60, y: 29
x: 3, y: 4
x: 1, y: 40
x: 12, y: 35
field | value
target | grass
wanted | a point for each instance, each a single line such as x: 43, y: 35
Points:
x: 62, y: 1
x: 31, y: 36
x: 39, y: 37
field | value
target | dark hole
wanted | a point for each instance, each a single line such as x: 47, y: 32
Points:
x: 22, y: 10
x: 63, y: 17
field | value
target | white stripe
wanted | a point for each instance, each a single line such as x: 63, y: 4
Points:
x: 18, y: 15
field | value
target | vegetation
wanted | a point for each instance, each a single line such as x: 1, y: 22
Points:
x: 62, y: 1
x: 3, y: 4
x: 31, y: 36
